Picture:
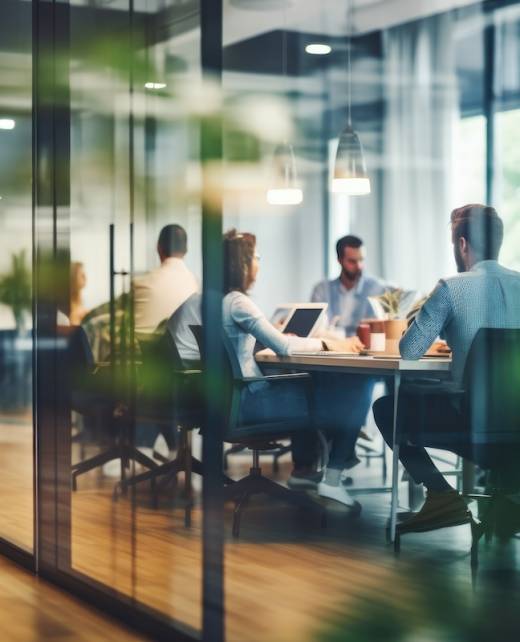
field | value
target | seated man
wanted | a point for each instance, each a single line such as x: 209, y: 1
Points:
x: 348, y: 303
x: 347, y: 296
x: 484, y: 294
x: 160, y: 292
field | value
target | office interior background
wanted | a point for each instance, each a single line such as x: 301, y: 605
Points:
x: 104, y: 105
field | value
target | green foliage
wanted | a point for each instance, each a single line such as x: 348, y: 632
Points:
x: 391, y: 301
x: 15, y: 287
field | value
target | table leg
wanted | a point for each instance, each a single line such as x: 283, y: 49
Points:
x: 395, y: 459
x: 468, y: 477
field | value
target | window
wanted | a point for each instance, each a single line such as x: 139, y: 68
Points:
x: 507, y: 185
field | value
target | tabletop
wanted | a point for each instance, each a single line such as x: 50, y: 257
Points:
x: 356, y: 363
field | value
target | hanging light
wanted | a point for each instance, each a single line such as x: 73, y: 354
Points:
x: 284, y: 188
x: 350, y: 170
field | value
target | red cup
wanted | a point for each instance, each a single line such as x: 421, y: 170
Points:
x: 363, y: 332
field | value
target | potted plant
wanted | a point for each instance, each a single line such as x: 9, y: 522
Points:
x: 15, y: 289
x: 392, y: 306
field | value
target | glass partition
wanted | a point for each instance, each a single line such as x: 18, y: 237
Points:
x: 16, y: 345
x: 134, y: 146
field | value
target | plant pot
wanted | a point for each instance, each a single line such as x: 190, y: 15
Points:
x: 395, y: 328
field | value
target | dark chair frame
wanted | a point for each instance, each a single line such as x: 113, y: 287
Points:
x: 91, y: 393
x: 184, y: 410
x: 259, y: 437
x: 490, y: 403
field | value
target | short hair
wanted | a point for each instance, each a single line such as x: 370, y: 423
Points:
x: 172, y: 240
x: 482, y: 228
x: 239, y: 250
x: 347, y: 241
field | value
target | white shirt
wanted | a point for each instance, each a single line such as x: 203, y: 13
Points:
x: 189, y: 313
x: 160, y: 292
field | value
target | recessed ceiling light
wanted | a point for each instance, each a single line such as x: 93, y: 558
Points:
x: 155, y: 85
x: 7, y: 123
x: 318, y: 49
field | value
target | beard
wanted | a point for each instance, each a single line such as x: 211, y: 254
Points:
x: 352, y: 276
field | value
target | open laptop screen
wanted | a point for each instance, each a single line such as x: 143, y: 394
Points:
x: 303, y: 321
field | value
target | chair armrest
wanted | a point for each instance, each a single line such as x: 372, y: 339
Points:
x: 274, y: 378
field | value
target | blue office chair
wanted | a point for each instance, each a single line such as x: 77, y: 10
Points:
x: 260, y: 436
x: 490, y: 409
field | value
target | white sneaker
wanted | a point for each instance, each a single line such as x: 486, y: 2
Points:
x: 112, y: 468
x: 338, y: 493
x: 145, y: 450
x: 161, y: 447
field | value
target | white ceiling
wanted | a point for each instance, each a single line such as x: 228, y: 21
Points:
x: 244, y: 19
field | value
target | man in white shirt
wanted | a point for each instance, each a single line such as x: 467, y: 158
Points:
x: 160, y: 292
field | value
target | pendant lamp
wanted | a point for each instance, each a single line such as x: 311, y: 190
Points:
x: 350, y: 170
x: 284, y: 188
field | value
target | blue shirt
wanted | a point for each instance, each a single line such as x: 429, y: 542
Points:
x: 487, y: 296
x: 349, y: 306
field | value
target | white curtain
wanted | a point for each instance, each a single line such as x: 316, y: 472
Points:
x: 421, y: 107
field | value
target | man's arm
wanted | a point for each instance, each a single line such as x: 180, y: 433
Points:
x: 428, y: 324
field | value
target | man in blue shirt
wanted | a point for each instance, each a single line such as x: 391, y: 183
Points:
x: 347, y: 296
x: 483, y: 295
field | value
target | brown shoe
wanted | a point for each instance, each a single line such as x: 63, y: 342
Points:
x: 441, y: 509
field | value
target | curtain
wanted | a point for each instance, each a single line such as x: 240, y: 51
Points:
x: 421, y: 106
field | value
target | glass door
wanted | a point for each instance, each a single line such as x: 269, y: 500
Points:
x: 132, y: 529
x: 16, y: 259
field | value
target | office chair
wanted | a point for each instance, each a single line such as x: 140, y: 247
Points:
x: 259, y: 436
x: 168, y: 394
x: 92, y: 393
x: 490, y: 408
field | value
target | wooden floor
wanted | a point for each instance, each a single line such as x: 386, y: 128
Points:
x: 32, y: 610
x: 286, y: 578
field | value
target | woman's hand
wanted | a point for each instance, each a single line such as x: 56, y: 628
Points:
x: 351, y: 344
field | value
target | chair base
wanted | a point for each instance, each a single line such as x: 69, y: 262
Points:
x: 124, y: 453
x: 276, y: 453
x: 167, y: 474
x: 255, y: 484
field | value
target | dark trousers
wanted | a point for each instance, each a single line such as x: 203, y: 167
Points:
x: 341, y: 404
x: 433, y: 421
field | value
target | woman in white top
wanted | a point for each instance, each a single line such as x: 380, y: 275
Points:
x: 340, y: 401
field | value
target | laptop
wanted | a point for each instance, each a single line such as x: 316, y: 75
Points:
x: 301, y: 319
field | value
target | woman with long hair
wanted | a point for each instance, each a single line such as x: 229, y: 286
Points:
x: 340, y: 402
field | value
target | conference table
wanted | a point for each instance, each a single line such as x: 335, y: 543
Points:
x: 388, y: 366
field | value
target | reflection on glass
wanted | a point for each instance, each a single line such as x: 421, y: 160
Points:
x: 508, y: 180
x: 16, y: 419
x: 135, y: 257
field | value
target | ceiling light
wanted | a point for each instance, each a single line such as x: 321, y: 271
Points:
x: 288, y: 196
x: 284, y: 189
x: 350, y: 170
x: 7, y: 123
x: 155, y: 85
x: 317, y: 49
